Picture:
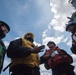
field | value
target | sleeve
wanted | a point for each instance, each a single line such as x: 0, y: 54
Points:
x: 45, y: 62
x: 73, y: 48
x: 42, y: 60
x: 16, y: 50
x: 70, y: 57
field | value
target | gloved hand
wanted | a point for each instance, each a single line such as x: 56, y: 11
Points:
x: 38, y: 49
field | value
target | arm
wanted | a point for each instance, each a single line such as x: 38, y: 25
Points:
x: 16, y: 50
x: 45, y: 57
x: 71, y: 59
x: 42, y: 60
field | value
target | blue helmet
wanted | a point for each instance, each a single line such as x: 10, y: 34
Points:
x: 70, y: 24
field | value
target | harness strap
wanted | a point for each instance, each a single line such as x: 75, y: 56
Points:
x: 7, y: 67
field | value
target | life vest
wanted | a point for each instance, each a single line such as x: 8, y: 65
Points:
x: 32, y: 60
x: 58, y: 57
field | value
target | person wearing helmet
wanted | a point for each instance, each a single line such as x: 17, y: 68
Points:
x: 4, y: 29
x: 24, y: 56
x: 71, y: 27
x: 59, y: 61
x: 28, y: 36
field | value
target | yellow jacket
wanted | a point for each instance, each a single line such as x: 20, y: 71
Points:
x: 32, y: 60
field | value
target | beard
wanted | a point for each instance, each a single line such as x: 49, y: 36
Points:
x: 2, y: 35
x: 30, y: 39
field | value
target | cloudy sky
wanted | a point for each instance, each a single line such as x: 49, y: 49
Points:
x: 45, y: 18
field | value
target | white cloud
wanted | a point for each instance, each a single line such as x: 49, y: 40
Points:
x: 74, y: 61
x: 44, y: 71
x: 6, y: 62
x: 37, y: 44
x: 65, y: 40
x: 17, y: 37
x: 60, y: 9
x: 69, y: 43
x: 6, y: 43
x: 57, y: 24
x: 57, y: 40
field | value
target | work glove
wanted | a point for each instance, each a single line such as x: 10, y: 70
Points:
x: 38, y: 49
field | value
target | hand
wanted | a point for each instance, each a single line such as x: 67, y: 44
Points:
x: 46, y: 54
x: 38, y: 49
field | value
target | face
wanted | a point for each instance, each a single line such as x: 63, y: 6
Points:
x: 4, y: 29
x: 51, y: 46
x: 29, y: 37
x: 71, y: 29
